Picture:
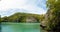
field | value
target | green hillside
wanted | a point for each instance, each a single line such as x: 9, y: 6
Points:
x: 22, y: 17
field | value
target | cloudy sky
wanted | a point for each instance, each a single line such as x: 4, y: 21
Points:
x: 9, y: 7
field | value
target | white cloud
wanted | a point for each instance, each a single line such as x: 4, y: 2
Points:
x: 6, y: 4
x: 34, y: 9
x: 29, y: 6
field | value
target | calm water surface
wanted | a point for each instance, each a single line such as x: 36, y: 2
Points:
x: 20, y: 27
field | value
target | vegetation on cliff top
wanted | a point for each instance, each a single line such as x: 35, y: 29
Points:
x: 53, y: 18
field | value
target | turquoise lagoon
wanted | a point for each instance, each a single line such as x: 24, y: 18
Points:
x: 20, y: 27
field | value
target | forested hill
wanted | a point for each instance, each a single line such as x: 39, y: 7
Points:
x: 23, y: 17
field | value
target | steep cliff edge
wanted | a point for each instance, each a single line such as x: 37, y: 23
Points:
x: 52, y: 17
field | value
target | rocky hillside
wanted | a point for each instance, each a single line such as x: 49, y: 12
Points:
x: 52, y: 17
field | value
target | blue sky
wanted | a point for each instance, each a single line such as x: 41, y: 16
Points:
x: 9, y: 7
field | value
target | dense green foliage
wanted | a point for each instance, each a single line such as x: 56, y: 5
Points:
x: 21, y: 17
x: 52, y: 18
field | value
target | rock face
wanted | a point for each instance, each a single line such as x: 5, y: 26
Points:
x: 52, y: 21
x: 52, y: 18
x: 31, y: 20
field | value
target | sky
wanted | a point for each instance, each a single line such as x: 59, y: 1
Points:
x: 9, y: 7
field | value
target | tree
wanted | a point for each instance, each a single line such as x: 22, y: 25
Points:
x: 4, y: 19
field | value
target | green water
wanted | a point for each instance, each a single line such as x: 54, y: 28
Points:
x: 20, y: 27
